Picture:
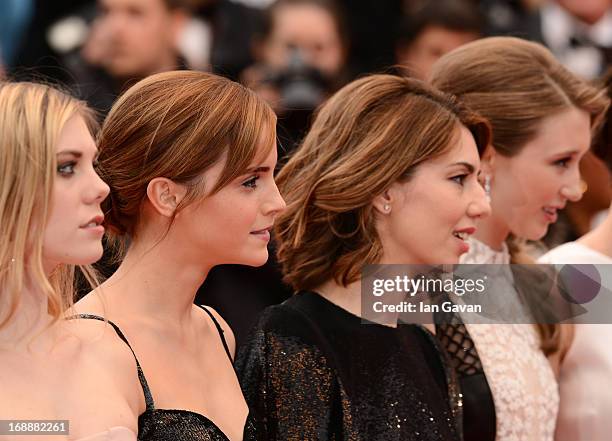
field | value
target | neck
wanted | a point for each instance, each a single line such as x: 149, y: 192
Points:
x: 23, y: 330
x: 155, y: 280
x: 600, y: 239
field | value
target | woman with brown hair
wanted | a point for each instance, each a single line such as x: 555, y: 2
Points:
x: 189, y: 158
x: 387, y: 174
x: 586, y: 372
x: 542, y: 117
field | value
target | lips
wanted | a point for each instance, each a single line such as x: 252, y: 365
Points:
x: 263, y: 234
x: 550, y: 213
x: 463, y: 235
x: 94, y: 222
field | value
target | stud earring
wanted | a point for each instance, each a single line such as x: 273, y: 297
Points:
x: 386, y: 207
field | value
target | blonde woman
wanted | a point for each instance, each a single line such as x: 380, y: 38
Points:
x: 51, y: 219
x: 542, y: 117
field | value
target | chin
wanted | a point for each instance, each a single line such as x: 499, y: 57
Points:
x: 536, y: 233
x: 255, y: 260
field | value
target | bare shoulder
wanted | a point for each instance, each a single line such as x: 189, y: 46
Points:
x: 227, y: 331
x: 104, y: 365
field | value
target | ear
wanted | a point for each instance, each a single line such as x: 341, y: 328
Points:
x: 165, y: 195
x: 487, y: 161
x: 384, y: 202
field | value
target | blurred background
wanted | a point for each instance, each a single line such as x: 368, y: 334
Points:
x: 295, y: 54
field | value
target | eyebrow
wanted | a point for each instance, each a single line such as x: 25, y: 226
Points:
x: 257, y: 170
x: 567, y: 153
x: 467, y: 165
x: 70, y: 152
x: 77, y: 154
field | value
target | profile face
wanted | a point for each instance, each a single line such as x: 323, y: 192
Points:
x: 433, y: 214
x: 233, y: 225
x: 73, y: 233
x: 528, y: 189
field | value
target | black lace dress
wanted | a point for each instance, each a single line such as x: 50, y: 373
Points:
x: 479, y: 420
x: 176, y: 424
x: 313, y: 371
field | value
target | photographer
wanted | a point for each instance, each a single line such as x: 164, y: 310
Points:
x: 301, y: 54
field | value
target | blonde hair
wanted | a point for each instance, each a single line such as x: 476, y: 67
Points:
x: 373, y: 132
x: 177, y: 125
x: 31, y: 119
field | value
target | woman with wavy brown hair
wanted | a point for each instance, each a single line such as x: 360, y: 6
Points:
x: 189, y: 158
x: 387, y: 174
x: 542, y: 118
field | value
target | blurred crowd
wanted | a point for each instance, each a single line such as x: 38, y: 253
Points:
x: 294, y: 53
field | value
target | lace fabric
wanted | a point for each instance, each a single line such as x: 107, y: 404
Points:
x: 521, y: 380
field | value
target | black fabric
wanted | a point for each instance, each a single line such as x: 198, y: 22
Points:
x: 479, y: 419
x: 176, y: 424
x: 313, y: 371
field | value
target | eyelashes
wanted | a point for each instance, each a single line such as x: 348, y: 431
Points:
x: 459, y: 179
x: 251, y: 182
x: 564, y: 162
x: 66, y: 168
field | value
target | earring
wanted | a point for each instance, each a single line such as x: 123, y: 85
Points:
x: 386, y: 207
x: 487, y: 187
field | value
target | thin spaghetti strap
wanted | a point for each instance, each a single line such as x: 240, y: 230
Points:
x: 221, y: 333
x: 143, y: 381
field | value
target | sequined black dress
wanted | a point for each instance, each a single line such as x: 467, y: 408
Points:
x: 176, y: 424
x: 313, y: 371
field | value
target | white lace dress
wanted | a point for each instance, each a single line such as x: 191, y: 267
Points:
x: 522, y: 382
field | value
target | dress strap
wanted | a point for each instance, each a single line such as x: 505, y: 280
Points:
x: 221, y: 332
x: 143, y: 381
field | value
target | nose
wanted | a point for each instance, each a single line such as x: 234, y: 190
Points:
x: 479, y: 205
x: 275, y: 203
x: 575, y: 188
x: 98, y: 190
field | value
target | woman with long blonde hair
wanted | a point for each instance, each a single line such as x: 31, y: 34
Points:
x: 50, y: 217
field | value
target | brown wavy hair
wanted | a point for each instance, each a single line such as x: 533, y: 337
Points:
x: 177, y: 125
x: 373, y: 132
